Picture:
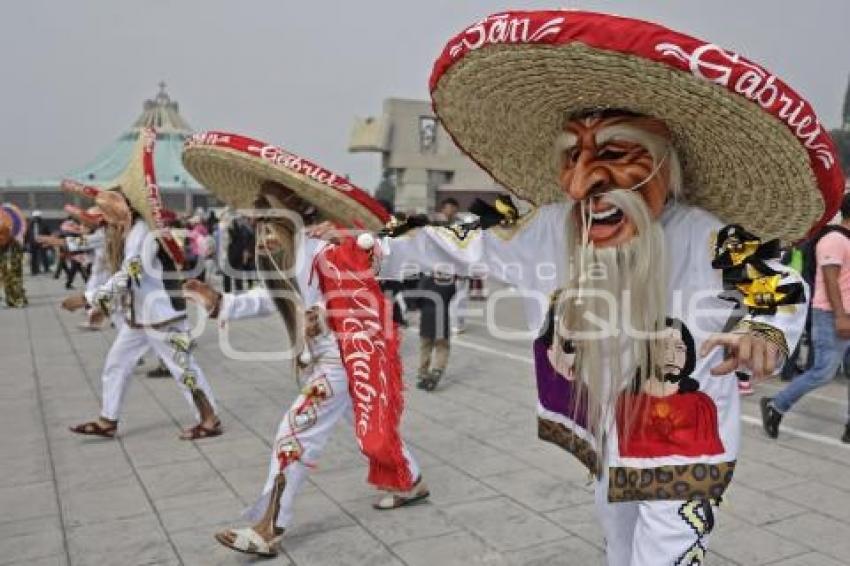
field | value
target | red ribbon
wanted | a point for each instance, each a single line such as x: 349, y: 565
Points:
x: 359, y: 315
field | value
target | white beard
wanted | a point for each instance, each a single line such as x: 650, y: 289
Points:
x: 612, y: 348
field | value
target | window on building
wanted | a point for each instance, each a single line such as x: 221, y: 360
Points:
x: 50, y: 200
x: 427, y: 134
x: 175, y: 201
x: 200, y: 201
x: 436, y: 179
x: 20, y: 199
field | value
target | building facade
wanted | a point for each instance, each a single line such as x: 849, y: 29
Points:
x: 181, y: 193
x: 420, y: 163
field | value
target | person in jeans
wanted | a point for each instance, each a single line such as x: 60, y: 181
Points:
x: 830, y: 326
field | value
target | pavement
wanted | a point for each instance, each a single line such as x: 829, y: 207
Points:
x: 500, y: 496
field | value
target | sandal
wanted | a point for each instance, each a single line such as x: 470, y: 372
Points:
x: 249, y: 542
x: 199, y: 431
x: 94, y: 428
x: 394, y: 500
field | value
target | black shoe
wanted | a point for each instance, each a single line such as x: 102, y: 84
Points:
x: 433, y: 380
x: 846, y: 438
x: 422, y: 379
x: 770, y: 417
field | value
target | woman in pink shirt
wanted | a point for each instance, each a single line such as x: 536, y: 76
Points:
x: 830, y: 324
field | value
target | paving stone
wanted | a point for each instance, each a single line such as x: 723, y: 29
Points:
x: 821, y: 498
x: 137, y: 540
x: 104, y: 505
x: 349, y: 546
x: 450, y: 486
x: 567, y: 552
x: 56, y: 560
x: 30, y: 539
x: 169, y: 480
x: 809, y: 559
x: 758, y: 507
x: 422, y: 520
x: 753, y: 545
x: 27, y: 501
x: 503, y: 524
x: 537, y: 490
x: 454, y: 549
x: 816, y: 532
x: 198, y: 510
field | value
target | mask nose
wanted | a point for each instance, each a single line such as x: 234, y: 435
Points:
x: 587, y: 179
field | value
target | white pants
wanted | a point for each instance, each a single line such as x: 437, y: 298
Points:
x: 173, y: 345
x: 308, y: 428
x: 654, y: 533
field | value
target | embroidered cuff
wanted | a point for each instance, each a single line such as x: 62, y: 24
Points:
x: 765, y: 331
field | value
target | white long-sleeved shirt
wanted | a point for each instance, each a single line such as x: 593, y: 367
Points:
x: 94, y: 244
x: 532, y: 256
x: 139, y: 284
x: 323, y: 349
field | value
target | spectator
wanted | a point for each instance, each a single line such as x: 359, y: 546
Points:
x: 437, y: 292
x: 39, y: 260
x: 239, y: 251
x: 830, y: 324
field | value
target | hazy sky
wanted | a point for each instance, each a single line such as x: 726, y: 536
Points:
x: 75, y: 72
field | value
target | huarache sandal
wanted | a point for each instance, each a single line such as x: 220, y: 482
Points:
x: 95, y: 428
x: 394, y: 500
x: 199, y: 431
x: 249, y: 542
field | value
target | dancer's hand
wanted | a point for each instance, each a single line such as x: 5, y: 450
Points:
x: 74, y: 302
x: 201, y: 294
x: 325, y: 231
x: 53, y: 241
x: 744, y: 350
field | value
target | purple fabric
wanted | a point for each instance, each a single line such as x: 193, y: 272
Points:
x: 554, y: 391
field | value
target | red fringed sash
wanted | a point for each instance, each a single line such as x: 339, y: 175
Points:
x: 360, y: 316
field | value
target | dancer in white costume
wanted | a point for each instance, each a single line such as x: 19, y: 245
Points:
x: 233, y: 168
x: 644, y: 150
x: 146, y: 285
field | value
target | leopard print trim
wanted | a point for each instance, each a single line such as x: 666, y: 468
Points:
x: 689, y: 481
x: 560, y: 435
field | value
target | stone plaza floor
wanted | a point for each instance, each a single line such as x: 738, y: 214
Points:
x: 499, y: 496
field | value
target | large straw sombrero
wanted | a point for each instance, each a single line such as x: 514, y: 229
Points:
x: 752, y: 150
x: 138, y: 184
x: 234, y: 168
x: 17, y: 219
